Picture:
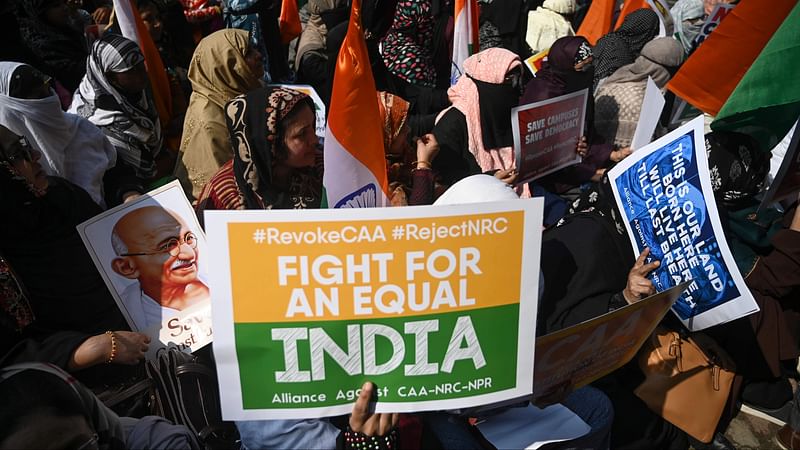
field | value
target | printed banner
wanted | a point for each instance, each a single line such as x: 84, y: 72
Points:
x: 717, y: 14
x: 435, y: 305
x: 152, y: 255
x: 787, y: 180
x: 546, y: 133
x: 664, y: 194
x: 576, y: 356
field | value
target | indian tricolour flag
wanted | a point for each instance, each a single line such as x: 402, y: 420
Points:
x: 465, y: 36
x: 132, y: 27
x: 355, y: 166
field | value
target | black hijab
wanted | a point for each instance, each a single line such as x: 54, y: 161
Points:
x: 623, y: 46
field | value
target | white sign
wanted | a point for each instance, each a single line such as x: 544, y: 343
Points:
x: 152, y: 255
x: 652, y: 105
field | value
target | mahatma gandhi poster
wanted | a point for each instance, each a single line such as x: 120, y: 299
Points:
x: 150, y: 253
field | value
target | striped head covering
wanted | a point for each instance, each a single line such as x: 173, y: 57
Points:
x: 130, y: 122
x: 254, y: 124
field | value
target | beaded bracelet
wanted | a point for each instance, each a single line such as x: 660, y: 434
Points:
x: 113, y: 347
x: 360, y: 441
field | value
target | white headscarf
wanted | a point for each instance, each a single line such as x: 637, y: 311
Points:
x: 71, y: 147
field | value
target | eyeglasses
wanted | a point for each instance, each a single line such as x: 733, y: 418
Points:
x: 172, y: 246
x: 90, y: 444
x: 22, y: 151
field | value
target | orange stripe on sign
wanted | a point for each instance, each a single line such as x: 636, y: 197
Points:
x: 354, y: 118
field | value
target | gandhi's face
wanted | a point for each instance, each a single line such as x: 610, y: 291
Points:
x: 160, y: 247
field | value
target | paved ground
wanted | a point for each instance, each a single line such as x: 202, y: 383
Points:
x: 748, y: 432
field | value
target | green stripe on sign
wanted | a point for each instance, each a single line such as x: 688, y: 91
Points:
x: 261, y: 357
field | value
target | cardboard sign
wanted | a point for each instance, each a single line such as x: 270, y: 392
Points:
x: 161, y: 294
x: 717, y: 14
x: 534, y: 63
x: 435, y: 305
x: 652, y: 105
x: 319, y: 106
x: 580, y: 354
x: 787, y: 180
x: 664, y: 194
x: 546, y: 133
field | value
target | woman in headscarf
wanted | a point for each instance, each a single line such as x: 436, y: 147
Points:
x: 276, y: 163
x: 411, y: 178
x: 71, y: 146
x: 46, y: 30
x: 475, y: 134
x: 47, y: 271
x: 569, y: 69
x: 548, y: 23
x: 622, y: 47
x: 407, y: 51
x: 688, y: 16
x: 113, y: 96
x: 224, y: 66
x: 45, y: 407
x: 503, y: 24
x: 618, y: 101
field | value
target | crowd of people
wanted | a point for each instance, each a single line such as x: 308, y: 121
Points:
x: 82, y: 131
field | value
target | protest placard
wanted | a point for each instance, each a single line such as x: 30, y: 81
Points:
x: 664, y: 194
x: 152, y: 255
x: 546, y: 134
x: 319, y: 106
x: 652, y: 105
x: 436, y: 305
x: 534, y: 63
x: 578, y: 355
x: 712, y: 21
x: 787, y: 180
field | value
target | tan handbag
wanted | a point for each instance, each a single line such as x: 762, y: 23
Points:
x: 688, y: 380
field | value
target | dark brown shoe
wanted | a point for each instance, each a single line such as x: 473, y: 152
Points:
x: 788, y: 439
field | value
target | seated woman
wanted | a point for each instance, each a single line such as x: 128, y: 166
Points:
x: 276, y: 160
x: 475, y: 134
x: 569, y: 69
x: 71, y: 146
x: 47, y: 274
x: 112, y: 96
x: 224, y: 66
x: 47, y: 31
x: 618, y: 101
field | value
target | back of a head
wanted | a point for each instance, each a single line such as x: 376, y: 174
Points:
x: 219, y: 70
x: 638, y: 28
x: 664, y: 51
x: 477, y: 189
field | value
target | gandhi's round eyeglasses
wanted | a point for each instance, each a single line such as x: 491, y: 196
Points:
x: 172, y: 246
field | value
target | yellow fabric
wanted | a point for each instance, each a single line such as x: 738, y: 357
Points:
x: 218, y: 73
